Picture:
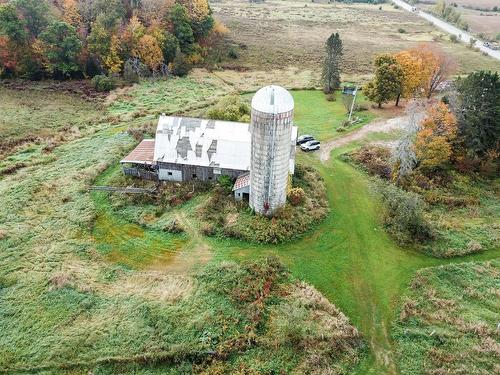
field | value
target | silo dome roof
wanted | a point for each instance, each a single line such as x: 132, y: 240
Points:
x: 272, y: 99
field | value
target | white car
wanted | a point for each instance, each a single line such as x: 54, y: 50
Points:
x: 310, y: 146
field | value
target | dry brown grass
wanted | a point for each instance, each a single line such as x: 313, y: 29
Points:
x: 282, y: 34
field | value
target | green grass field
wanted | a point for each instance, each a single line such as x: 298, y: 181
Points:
x: 73, y: 289
x: 321, y: 118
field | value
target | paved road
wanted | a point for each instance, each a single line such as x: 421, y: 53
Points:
x: 450, y: 29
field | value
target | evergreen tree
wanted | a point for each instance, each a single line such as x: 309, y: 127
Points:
x: 388, y: 82
x: 478, y: 112
x: 182, y: 27
x: 332, y: 63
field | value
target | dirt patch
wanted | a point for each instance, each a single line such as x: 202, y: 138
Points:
x: 380, y: 126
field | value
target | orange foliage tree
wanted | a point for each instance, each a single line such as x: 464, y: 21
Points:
x: 8, y: 56
x: 425, y: 68
x: 433, y: 145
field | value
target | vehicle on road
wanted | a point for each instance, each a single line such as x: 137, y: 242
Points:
x: 304, y: 138
x: 310, y: 146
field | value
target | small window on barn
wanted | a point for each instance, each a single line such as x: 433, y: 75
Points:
x: 170, y: 173
x: 194, y: 175
x: 217, y: 170
x: 209, y: 178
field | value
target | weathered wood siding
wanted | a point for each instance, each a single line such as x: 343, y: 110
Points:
x: 193, y: 172
x: 141, y: 173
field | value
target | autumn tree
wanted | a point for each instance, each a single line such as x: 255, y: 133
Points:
x: 478, y: 112
x: 61, y: 47
x: 433, y: 145
x: 99, y: 41
x: 112, y: 60
x: 71, y: 13
x: 388, y: 81
x: 200, y: 15
x: 332, y: 63
x: 149, y: 52
x: 8, y: 57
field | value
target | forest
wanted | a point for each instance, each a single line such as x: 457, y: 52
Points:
x: 83, y: 38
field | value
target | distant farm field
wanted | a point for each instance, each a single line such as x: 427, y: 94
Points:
x: 281, y: 34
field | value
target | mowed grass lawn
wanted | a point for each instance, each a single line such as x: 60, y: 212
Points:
x: 317, y: 116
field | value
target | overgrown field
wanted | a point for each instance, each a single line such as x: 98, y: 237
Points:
x: 281, y: 34
x: 461, y: 212
x: 96, y: 282
x: 34, y: 113
x: 449, y: 321
x: 75, y: 292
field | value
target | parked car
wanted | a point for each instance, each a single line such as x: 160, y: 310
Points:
x: 304, y: 138
x: 310, y: 146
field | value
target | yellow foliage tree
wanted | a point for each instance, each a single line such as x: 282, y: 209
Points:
x: 149, y: 52
x: 426, y: 67
x: 433, y: 146
x: 112, y: 61
x: 414, y: 75
x: 71, y: 13
x: 197, y: 9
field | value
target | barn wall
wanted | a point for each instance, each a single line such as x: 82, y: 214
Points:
x: 201, y: 173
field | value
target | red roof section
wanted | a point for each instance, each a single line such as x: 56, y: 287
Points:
x: 142, y: 154
x: 242, y: 181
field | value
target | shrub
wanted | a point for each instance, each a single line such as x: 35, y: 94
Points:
x: 296, y: 196
x: 225, y: 182
x: 233, y: 53
x: 173, y: 227
x: 374, y: 159
x: 288, y: 223
x: 103, y: 83
x: 401, y: 30
x: 230, y: 108
x: 453, y: 38
x: 180, y: 66
x: 331, y: 97
x: 404, y: 215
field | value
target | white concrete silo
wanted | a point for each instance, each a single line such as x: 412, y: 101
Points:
x: 271, y: 129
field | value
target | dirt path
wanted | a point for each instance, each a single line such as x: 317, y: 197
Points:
x: 197, y: 252
x: 381, y: 126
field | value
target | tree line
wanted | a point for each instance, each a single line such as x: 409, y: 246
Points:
x: 83, y: 38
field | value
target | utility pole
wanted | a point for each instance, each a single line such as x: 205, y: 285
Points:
x: 353, y: 101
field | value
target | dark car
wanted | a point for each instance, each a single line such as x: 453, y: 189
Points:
x: 310, y: 146
x: 304, y: 138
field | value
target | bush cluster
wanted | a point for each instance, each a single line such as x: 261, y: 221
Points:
x: 404, y: 215
x: 103, y: 83
x: 374, y: 159
x: 222, y: 216
x: 230, y: 108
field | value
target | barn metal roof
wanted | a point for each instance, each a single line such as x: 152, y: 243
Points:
x: 242, y: 181
x: 202, y: 142
x: 273, y: 99
x: 209, y: 143
x: 142, y: 154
